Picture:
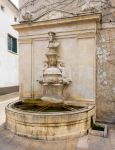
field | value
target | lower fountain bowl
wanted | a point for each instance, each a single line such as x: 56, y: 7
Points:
x: 49, y: 125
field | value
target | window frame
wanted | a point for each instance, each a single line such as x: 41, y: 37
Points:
x: 13, y: 46
x: 2, y: 8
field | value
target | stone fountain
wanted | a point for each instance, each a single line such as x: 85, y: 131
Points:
x: 53, y: 80
x: 52, y: 105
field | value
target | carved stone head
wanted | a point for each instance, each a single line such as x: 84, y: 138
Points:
x: 51, y: 36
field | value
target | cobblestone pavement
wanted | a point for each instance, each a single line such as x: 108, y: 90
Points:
x: 9, y: 141
x: 8, y: 96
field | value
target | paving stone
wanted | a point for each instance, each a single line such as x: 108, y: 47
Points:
x: 9, y: 96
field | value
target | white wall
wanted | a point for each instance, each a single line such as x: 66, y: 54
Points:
x: 8, y: 60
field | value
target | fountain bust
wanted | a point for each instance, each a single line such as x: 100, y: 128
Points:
x: 53, y: 79
x: 52, y: 41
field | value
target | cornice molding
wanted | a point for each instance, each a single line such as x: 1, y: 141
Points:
x: 42, y: 24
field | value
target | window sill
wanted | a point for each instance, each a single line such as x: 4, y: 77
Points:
x: 12, y: 52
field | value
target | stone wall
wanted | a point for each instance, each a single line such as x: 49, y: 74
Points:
x: 106, y: 75
x: 67, y: 8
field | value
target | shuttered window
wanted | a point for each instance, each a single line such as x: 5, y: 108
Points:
x: 12, y: 43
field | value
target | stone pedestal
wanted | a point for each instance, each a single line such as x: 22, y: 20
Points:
x: 53, y: 93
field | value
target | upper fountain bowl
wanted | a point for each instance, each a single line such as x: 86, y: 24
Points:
x: 52, y: 75
x: 52, y: 71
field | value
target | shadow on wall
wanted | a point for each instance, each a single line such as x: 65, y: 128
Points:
x: 8, y: 90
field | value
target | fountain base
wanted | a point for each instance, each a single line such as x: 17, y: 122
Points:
x: 48, y: 125
x: 53, y: 93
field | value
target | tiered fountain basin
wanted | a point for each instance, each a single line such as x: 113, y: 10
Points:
x: 50, y: 124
